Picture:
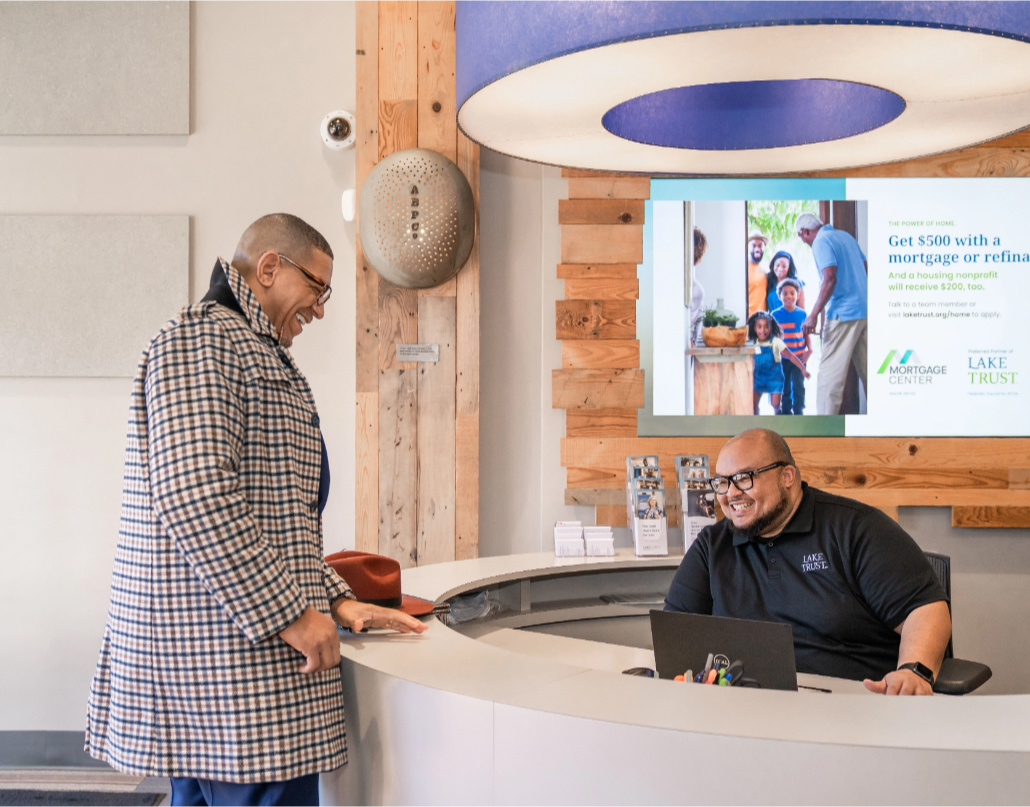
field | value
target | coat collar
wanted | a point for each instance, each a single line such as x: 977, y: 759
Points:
x: 228, y: 288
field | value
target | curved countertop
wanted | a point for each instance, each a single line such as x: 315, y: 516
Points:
x: 556, y: 685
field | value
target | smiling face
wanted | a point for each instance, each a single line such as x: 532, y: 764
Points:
x: 762, y: 329
x: 789, y: 297
x: 756, y: 250
x: 767, y: 507
x: 293, y: 298
x: 781, y: 267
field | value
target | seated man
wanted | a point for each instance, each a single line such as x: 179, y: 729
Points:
x: 859, y: 593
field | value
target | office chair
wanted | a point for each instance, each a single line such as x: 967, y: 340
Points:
x: 957, y: 676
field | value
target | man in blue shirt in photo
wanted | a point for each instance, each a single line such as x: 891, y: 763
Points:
x: 843, y: 293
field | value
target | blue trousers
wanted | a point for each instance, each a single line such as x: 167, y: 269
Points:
x: 301, y: 791
x: 792, y: 402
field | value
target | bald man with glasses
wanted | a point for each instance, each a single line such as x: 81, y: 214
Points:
x: 861, y: 596
x: 219, y: 665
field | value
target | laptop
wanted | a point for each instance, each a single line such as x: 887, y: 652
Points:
x: 683, y: 641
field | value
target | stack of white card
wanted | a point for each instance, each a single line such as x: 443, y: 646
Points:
x: 568, y: 539
x: 600, y: 541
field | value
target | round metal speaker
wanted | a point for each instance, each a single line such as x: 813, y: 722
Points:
x: 416, y: 218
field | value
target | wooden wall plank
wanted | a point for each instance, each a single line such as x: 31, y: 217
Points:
x: 977, y: 161
x: 595, y: 496
x: 611, y: 514
x: 612, y: 186
x: 398, y: 324
x: 620, y: 354
x: 597, y: 243
x: 437, y: 124
x: 466, y: 480
x: 1019, y: 478
x: 449, y: 288
x: 595, y: 319
x: 990, y: 516
x: 398, y: 472
x: 436, y: 432
x: 398, y: 76
x: 598, y: 270
x: 603, y: 288
x: 900, y: 453
x: 597, y: 389
x: 466, y: 484
x: 366, y: 421
x: 601, y: 211
x: 366, y: 472
x: 601, y: 423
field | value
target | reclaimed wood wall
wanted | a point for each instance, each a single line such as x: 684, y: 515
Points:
x: 985, y: 482
x: 417, y: 424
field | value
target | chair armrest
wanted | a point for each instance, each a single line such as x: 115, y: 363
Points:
x: 960, y: 677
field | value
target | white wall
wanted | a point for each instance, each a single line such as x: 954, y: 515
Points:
x: 522, y: 483
x: 262, y: 77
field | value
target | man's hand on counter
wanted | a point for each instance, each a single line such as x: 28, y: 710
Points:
x: 900, y: 682
x: 360, y: 615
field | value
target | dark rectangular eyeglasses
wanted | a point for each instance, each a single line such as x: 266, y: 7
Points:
x: 325, y: 290
x: 743, y: 480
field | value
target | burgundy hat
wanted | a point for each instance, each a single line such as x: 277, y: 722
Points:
x: 376, y: 579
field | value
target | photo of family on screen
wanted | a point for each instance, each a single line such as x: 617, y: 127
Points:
x: 778, y: 289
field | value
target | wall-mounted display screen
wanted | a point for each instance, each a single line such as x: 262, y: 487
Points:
x: 865, y: 307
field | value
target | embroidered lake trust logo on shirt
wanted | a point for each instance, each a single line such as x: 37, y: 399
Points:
x: 814, y: 562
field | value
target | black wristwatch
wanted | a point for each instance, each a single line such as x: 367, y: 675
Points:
x: 919, y: 669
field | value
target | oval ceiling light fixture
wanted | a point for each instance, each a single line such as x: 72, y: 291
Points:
x: 739, y: 88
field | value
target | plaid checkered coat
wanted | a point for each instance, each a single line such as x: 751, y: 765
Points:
x: 219, y: 549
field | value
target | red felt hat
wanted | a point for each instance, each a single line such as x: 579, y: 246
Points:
x: 376, y: 579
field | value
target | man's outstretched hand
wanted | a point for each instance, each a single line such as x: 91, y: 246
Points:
x: 360, y: 615
x: 899, y: 682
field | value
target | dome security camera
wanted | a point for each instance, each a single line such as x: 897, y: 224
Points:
x: 339, y: 129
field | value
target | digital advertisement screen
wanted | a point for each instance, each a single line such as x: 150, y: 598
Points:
x: 918, y: 333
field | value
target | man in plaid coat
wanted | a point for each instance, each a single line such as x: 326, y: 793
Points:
x: 219, y: 666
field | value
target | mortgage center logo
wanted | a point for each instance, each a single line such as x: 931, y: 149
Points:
x: 904, y: 367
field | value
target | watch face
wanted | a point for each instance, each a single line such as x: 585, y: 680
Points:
x: 919, y: 669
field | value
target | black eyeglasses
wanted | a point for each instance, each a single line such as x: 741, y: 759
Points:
x: 325, y: 290
x: 743, y: 480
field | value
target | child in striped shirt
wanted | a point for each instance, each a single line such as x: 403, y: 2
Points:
x: 790, y: 318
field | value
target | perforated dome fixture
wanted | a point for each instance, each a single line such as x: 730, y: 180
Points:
x: 416, y: 218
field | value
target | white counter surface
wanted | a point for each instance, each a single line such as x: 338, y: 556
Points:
x: 563, y: 691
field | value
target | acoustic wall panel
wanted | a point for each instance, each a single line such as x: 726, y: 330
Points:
x: 94, y: 68
x: 82, y: 295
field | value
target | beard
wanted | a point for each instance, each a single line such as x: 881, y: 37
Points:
x: 763, y: 522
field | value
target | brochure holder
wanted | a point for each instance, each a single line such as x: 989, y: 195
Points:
x: 651, y: 537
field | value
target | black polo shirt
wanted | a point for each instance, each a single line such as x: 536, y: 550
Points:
x: 841, y: 573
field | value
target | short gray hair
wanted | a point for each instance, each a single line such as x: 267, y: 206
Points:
x: 809, y: 221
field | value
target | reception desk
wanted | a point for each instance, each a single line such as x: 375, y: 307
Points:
x: 527, y: 706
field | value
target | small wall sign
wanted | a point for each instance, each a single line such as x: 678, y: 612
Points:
x: 418, y: 352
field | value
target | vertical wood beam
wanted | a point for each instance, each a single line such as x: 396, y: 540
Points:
x: 397, y: 466
x: 437, y: 121
x: 467, y: 356
x: 417, y: 424
x: 436, y: 428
